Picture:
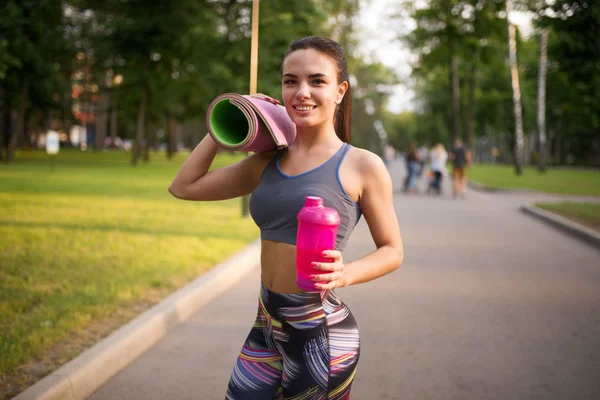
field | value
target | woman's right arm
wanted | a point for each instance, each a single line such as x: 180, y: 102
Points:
x: 194, y: 181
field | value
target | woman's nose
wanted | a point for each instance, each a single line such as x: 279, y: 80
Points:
x: 303, y: 91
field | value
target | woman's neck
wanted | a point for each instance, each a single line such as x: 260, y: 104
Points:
x: 316, y: 136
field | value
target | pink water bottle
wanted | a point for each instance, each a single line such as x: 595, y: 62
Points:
x: 317, y: 231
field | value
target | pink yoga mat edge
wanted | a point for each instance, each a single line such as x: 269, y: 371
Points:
x: 270, y: 127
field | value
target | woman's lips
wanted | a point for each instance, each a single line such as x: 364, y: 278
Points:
x: 304, y: 109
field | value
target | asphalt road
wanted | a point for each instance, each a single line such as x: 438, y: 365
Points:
x: 489, y: 304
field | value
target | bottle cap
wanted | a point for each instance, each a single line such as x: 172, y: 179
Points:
x: 313, y: 201
x: 315, y: 213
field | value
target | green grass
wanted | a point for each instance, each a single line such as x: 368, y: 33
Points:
x: 585, y: 213
x: 96, y: 235
x: 560, y: 181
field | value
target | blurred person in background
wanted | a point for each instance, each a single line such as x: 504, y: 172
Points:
x: 461, y: 159
x: 390, y: 154
x: 437, y: 163
x: 423, y: 155
x: 413, y: 166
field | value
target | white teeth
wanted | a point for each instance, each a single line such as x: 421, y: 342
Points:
x: 304, y: 108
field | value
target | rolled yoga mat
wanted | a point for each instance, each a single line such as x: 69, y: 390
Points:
x: 244, y: 123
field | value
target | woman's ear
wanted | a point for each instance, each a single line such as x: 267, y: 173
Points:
x: 341, y: 91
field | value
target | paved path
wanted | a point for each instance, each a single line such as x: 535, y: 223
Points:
x: 489, y: 304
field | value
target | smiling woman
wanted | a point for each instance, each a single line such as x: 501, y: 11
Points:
x: 304, y: 344
x: 328, y: 84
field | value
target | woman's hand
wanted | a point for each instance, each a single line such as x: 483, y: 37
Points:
x: 261, y: 96
x: 335, y: 276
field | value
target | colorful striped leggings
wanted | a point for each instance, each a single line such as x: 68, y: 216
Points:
x: 302, y: 347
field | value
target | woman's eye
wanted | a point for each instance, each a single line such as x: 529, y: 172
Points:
x: 288, y: 81
x: 319, y: 81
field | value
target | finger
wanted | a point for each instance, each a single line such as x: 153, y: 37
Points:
x: 261, y: 96
x: 271, y: 100
x: 325, y: 277
x: 334, y: 254
x: 327, y: 286
x: 328, y: 266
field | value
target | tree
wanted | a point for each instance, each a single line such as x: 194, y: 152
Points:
x: 37, y: 49
x: 437, y: 40
x: 514, y: 72
x: 573, y: 89
x: 541, y: 99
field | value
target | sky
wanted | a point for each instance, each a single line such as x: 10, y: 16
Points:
x: 378, y: 38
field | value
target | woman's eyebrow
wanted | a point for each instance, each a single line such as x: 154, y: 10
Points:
x: 317, y: 75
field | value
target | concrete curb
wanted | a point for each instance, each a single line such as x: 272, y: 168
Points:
x: 572, y: 228
x: 482, y: 188
x: 82, y: 376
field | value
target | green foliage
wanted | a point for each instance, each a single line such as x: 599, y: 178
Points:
x: 574, y: 75
x: 181, y: 53
x: 35, y: 44
x: 370, y: 95
x: 7, y: 60
x: 475, y: 32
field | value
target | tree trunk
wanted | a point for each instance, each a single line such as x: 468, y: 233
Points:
x: 531, y: 145
x: 19, y: 124
x: 471, y: 111
x: 150, y: 139
x: 146, y: 147
x: 558, y: 150
x: 114, y: 116
x: 28, y: 126
x: 512, y: 53
x: 65, y: 113
x: 455, y: 93
x: 541, y: 99
x: 140, y: 128
x: 171, y: 136
x: 4, y: 118
x: 101, y: 121
x: 454, y: 76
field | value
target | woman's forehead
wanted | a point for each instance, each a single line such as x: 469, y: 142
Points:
x: 308, y: 62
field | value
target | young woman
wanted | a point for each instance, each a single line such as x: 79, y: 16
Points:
x: 304, y: 345
x: 413, y: 161
x: 438, y: 158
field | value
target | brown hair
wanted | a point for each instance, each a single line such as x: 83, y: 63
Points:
x: 412, y: 154
x: 343, y: 113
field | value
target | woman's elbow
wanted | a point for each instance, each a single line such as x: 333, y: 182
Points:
x: 398, y: 256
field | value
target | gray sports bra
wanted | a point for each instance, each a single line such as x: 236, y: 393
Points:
x: 276, y: 201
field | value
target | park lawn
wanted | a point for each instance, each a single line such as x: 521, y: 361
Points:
x: 587, y: 214
x: 554, y: 180
x: 90, y: 244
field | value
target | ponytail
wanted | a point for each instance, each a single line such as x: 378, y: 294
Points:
x: 343, y: 117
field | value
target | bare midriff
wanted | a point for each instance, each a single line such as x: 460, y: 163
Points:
x: 278, y: 267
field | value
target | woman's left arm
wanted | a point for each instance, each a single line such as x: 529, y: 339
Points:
x: 376, y: 202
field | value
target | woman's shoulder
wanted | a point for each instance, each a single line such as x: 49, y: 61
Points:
x: 365, y: 162
x: 265, y: 156
x: 259, y: 161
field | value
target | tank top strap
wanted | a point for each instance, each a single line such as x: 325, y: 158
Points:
x: 342, y: 154
x: 335, y: 161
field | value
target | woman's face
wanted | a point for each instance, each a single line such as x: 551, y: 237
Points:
x: 310, y: 89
